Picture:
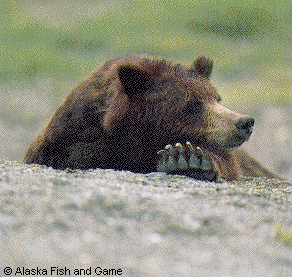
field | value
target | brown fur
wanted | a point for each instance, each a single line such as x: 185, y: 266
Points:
x: 131, y: 108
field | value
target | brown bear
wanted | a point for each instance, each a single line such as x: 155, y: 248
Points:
x: 126, y: 112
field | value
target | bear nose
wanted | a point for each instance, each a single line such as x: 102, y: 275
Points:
x: 244, y: 125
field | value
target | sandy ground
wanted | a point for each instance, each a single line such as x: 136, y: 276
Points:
x: 142, y: 225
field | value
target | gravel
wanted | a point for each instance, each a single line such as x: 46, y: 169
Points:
x: 80, y: 223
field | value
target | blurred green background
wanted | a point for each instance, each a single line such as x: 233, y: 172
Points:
x: 50, y: 46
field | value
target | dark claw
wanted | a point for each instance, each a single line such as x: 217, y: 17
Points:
x: 205, y: 165
x: 162, y: 167
x: 171, y: 163
x: 181, y: 163
x: 187, y: 161
x: 194, y: 162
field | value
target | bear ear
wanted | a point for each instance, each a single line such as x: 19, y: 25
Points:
x: 134, y: 80
x: 202, y: 67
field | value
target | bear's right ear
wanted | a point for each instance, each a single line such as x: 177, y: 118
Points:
x: 134, y: 80
x: 202, y: 67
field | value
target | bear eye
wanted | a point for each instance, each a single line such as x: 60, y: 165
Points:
x: 194, y: 108
x: 188, y: 109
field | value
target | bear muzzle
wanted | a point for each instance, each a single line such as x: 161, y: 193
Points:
x: 227, y: 129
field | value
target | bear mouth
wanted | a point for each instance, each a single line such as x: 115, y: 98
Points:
x: 216, y: 146
x: 236, y: 142
x: 233, y: 145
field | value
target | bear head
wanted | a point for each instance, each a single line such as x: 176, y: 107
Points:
x: 156, y: 100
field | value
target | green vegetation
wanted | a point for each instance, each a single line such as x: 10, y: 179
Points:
x: 239, y: 35
x: 48, y: 46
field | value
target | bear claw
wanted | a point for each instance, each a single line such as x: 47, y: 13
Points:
x: 181, y: 163
x: 174, y: 158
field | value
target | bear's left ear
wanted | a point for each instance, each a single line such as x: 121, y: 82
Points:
x: 202, y: 67
x: 134, y: 80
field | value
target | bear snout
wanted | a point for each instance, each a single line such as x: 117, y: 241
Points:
x: 245, y: 125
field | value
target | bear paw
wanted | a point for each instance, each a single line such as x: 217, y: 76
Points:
x: 187, y: 161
